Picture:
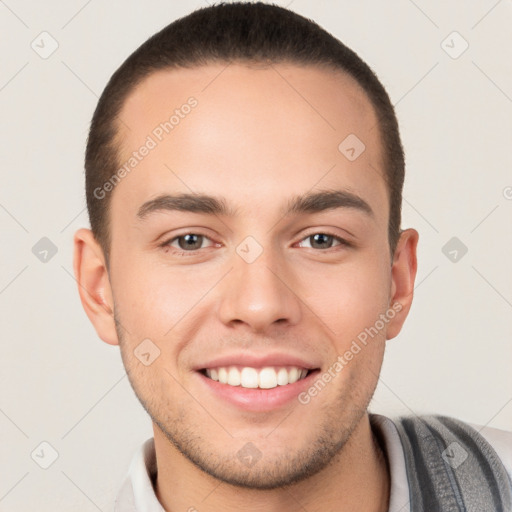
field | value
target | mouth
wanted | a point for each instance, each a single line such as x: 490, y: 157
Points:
x: 256, y: 389
x: 248, y: 377
x: 256, y: 382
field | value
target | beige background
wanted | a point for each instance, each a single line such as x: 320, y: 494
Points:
x: 61, y: 385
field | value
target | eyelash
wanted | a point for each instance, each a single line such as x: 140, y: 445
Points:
x: 178, y: 252
x: 342, y: 241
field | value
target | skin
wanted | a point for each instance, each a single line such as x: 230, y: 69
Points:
x: 255, y: 141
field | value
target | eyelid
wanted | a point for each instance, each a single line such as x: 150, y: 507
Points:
x: 167, y: 243
x: 172, y: 240
x: 326, y: 230
x: 342, y: 241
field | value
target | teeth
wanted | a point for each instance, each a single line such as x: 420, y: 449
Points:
x: 293, y: 375
x: 233, y: 377
x: 249, y: 378
x: 282, y: 377
x: 223, y: 375
x: 267, y: 378
x: 264, y: 378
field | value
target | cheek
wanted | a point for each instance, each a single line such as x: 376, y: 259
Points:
x: 153, y: 298
x: 348, y: 298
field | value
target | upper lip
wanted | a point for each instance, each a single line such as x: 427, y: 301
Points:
x: 258, y: 361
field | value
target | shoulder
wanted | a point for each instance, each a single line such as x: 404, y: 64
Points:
x: 449, y: 461
x: 452, y: 429
x: 500, y: 441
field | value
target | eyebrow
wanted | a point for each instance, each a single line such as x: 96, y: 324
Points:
x: 196, y: 203
x: 327, y: 200
x: 311, y: 202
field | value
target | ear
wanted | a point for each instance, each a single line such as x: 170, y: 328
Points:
x: 403, y: 275
x: 94, y: 285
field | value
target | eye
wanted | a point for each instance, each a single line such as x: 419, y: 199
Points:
x: 188, y: 242
x: 322, y: 241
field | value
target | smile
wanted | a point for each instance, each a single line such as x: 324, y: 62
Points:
x: 263, y: 378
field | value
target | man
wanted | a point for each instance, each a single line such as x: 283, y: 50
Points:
x: 244, y: 174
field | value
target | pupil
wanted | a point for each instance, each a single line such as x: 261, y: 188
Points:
x: 190, y: 241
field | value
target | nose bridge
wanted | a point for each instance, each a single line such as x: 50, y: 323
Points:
x: 256, y: 291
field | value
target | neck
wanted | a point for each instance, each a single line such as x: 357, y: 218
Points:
x: 357, y: 479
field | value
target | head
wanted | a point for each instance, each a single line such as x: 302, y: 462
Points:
x: 276, y: 35
x: 243, y: 176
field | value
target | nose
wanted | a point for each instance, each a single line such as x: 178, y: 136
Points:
x: 259, y: 295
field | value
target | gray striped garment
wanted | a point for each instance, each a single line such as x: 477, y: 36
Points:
x: 451, y: 467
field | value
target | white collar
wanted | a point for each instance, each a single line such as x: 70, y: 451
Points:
x: 138, y: 495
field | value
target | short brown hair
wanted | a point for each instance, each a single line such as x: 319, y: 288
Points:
x: 224, y: 33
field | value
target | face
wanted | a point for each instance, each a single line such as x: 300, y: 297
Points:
x: 250, y: 262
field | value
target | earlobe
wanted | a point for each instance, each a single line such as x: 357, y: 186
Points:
x: 403, y: 275
x: 94, y: 285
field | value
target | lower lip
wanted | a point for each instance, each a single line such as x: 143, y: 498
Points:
x: 255, y: 399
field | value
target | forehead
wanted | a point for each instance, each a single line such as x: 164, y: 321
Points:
x: 248, y: 132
